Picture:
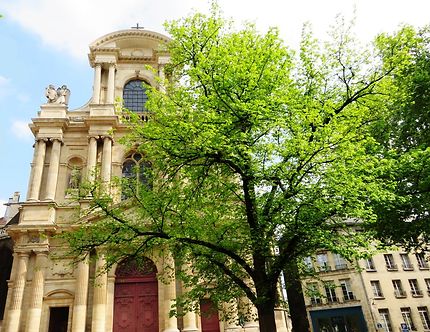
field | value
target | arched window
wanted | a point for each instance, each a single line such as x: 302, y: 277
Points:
x: 135, y: 171
x: 134, y: 96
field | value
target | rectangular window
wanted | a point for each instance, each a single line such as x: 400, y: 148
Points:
x: 339, y: 262
x: 58, y: 319
x: 427, y: 281
x: 398, y: 289
x: 384, y: 320
x: 370, y: 266
x: 314, y: 294
x: 389, y: 262
x: 330, y: 291
x: 407, y: 317
x: 421, y: 260
x: 376, y: 288
x: 348, y: 295
x: 415, y: 290
x: 322, y: 261
x: 425, y: 319
x: 307, y: 261
x: 406, y: 262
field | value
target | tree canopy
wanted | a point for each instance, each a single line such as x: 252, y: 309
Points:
x: 259, y: 157
x: 404, y: 135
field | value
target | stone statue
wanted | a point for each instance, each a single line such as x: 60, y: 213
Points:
x: 57, y: 96
x: 75, y: 178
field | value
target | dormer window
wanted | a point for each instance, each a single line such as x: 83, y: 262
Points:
x: 134, y: 96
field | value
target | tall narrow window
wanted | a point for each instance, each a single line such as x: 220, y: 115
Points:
x: 384, y: 316
x: 376, y: 288
x: 422, y: 263
x: 398, y: 289
x: 370, y: 266
x: 314, y: 294
x: 406, y: 262
x: 407, y: 317
x: 339, y: 262
x: 134, y: 96
x: 135, y: 172
x: 415, y: 290
x: 330, y: 291
x: 389, y: 262
x: 322, y: 261
x: 425, y: 319
x: 348, y: 295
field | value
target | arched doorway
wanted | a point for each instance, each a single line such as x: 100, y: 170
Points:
x: 136, y: 297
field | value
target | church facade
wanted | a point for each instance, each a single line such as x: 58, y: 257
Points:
x: 46, y: 292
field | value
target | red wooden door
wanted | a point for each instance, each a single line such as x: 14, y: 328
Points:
x: 135, y: 300
x: 209, y: 316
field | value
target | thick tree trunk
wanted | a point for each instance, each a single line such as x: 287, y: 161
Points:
x: 266, y: 317
x: 296, y: 300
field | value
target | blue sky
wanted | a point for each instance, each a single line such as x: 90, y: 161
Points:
x: 46, y: 42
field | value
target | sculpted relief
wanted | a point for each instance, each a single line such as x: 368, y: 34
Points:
x: 57, y: 96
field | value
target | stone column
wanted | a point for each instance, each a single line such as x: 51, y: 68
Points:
x: 231, y: 325
x: 92, y: 158
x: 99, y: 298
x: 190, y: 322
x: 35, y: 312
x: 80, y: 303
x: 251, y: 325
x: 54, y: 164
x: 171, y: 323
x: 97, y: 83
x: 111, y: 84
x: 106, y: 160
x: 37, y: 171
x: 14, y: 314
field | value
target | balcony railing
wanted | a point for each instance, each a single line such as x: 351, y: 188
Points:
x: 407, y: 267
x: 342, y: 266
x: 324, y: 268
x: 391, y: 267
x: 416, y: 293
x: 400, y: 294
x: 423, y: 266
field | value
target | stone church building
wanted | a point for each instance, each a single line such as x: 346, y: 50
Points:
x: 45, y: 292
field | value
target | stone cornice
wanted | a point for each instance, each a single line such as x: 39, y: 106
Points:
x: 129, y: 33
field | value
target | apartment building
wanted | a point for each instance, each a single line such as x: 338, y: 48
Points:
x: 389, y: 292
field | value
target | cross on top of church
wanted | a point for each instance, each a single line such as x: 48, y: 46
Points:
x: 137, y: 27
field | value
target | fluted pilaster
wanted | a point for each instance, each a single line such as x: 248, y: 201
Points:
x: 37, y: 170
x: 81, y: 295
x: 14, y: 314
x: 99, y: 299
x: 35, y: 311
x: 54, y: 164
x: 97, y: 83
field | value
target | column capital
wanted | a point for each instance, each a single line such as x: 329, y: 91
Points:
x: 104, y: 137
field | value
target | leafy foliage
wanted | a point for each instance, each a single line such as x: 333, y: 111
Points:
x: 405, y: 138
x: 259, y: 157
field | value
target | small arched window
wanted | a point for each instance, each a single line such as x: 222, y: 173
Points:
x: 134, y: 96
x: 135, y: 171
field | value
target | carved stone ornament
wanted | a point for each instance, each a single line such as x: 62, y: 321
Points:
x: 57, y: 96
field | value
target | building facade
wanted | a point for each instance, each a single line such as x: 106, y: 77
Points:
x: 389, y: 292
x: 46, y: 292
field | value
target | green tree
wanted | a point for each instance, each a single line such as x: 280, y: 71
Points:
x: 259, y: 157
x: 405, y: 140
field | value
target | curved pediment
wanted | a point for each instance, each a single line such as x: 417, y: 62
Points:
x: 130, y: 44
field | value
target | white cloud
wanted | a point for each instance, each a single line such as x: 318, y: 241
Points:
x: 21, y: 130
x: 70, y: 25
